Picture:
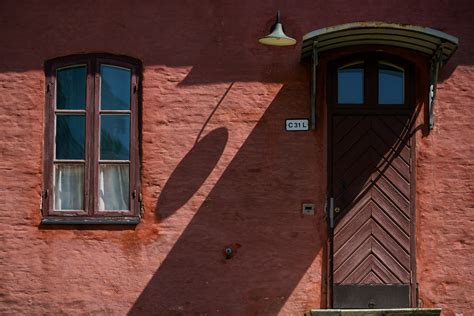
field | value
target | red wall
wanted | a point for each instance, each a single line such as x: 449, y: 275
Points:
x: 217, y: 167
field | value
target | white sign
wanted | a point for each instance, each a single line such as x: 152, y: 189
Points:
x: 294, y: 125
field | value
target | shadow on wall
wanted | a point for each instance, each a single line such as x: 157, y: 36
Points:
x: 188, y: 36
x: 255, y: 209
x: 191, y: 172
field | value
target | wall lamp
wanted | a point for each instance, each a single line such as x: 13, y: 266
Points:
x: 277, y: 37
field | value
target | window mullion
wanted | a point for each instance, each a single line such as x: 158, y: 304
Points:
x: 94, y: 140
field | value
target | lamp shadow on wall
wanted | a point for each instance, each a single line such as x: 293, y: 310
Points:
x: 191, y: 172
x: 194, y: 168
x: 254, y: 208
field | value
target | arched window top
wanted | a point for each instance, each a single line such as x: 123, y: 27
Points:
x: 91, y: 153
x: 371, y: 81
x: 437, y: 45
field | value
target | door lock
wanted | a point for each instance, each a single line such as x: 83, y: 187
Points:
x: 371, y: 303
x: 337, y: 210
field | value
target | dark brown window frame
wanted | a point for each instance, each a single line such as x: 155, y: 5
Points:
x: 91, y: 214
x: 370, y: 103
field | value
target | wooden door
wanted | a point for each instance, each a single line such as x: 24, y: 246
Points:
x: 372, y: 242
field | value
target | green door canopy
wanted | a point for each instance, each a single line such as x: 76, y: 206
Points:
x: 422, y: 39
x: 438, y: 45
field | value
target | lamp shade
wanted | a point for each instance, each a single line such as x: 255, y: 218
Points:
x: 277, y: 37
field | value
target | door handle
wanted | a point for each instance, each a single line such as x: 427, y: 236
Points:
x: 331, y: 212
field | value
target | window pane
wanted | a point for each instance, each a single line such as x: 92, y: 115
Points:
x: 115, y: 137
x: 70, y: 136
x: 350, y: 84
x: 71, y: 88
x: 391, y: 84
x: 69, y: 187
x: 114, y: 88
x: 113, y: 187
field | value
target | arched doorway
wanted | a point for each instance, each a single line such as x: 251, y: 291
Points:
x: 370, y: 181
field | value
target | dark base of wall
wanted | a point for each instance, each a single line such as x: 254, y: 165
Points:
x: 376, y: 312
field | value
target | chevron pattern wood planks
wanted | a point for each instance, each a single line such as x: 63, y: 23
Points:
x: 371, y: 186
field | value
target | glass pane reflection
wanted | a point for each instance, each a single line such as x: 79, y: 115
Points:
x: 115, y: 137
x: 71, y: 88
x: 391, y: 84
x: 70, y: 134
x: 114, y: 88
x: 350, y: 84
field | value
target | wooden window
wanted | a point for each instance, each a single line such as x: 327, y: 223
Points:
x: 371, y: 82
x: 91, y: 148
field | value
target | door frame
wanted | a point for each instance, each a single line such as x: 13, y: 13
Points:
x: 331, y: 111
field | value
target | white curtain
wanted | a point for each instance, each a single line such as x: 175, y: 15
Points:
x: 69, y: 187
x: 113, y: 187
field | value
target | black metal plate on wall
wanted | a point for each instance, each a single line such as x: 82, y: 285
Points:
x: 371, y: 296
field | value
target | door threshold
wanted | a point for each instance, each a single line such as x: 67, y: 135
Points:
x: 376, y: 312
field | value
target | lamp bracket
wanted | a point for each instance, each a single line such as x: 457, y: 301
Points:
x: 435, y: 66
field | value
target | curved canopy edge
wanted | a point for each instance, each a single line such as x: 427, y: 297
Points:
x: 422, y: 39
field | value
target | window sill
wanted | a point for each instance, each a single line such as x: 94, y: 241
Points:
x: 132, y: 220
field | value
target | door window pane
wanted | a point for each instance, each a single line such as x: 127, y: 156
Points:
x: 114, y: 88
x: 350, y: 84
x: 391, y: 84
x: 115, y: 137
x: 114, y: 187
x: 70, y: 130
x: 71, y: 88
x: 68, y: 187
